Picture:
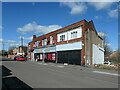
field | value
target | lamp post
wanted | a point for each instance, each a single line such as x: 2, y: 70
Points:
x: 22, y: 45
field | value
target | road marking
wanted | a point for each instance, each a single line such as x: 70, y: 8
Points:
x: 106, y: 73
x: 57, y: 66
x: 60, y: 66
x: 52, y: 65
x: 43, y: 63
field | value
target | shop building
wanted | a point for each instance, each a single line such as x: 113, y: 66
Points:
x: 78, y: 43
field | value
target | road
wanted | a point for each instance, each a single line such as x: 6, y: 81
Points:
x: 31, y: 74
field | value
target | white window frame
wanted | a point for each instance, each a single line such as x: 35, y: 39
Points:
x: 51, y: 39
x: 62, y: 37
x: 74, y: 34
x: 44, y: 42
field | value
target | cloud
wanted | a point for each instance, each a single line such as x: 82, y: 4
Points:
x: 10, y: 41
x: 27, y: 28
x: 107, y: 44
x: 102, y: 34
x: 46, y: 29
x: 76, y: 7
x: 100, y: 5
x: 34, y: 27
x: 1, y: 39
x: 89, y: 0
x: 1, y: 28
x: 26, y: 38
x: 113, y: 13
x: 97, y: 17
x: 7, y: 41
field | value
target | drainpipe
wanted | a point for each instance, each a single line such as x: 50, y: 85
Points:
x: 43, y: 56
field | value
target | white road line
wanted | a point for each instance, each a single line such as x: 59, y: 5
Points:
x: 56, y: 65
x: 60, y: 66
x: 42, y: 63
x: 106, y: 73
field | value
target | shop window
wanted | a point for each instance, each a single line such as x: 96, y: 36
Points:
x: 41, y: 56
x: 53, y: 56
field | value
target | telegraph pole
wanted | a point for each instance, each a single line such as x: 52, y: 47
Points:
x: 22, y: 44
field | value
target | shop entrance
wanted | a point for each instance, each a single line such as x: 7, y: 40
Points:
x: 71, y: 57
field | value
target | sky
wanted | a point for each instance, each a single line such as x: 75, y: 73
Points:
x: 25, y: 19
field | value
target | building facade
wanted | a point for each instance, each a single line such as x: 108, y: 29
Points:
x: 77, y: 43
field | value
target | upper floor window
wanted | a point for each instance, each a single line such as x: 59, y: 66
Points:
x: 51, y: 39
x: 44, y: 42
x: 37, y: 43
x: 74, y: 34
x: 28, y: 46
x: 62, y: 38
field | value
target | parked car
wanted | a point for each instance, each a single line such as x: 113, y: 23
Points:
x: 19, y: 58
x: 108, y: 62
x: 15, y: 58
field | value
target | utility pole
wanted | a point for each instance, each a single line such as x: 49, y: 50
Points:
x: 22, y: 44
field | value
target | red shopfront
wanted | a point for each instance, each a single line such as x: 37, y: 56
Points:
x: 48, y: 54
x: 51, y: 56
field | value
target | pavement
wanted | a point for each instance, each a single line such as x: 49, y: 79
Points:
x: 30, y: 74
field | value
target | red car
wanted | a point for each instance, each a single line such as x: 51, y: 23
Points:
x: 19, y: 58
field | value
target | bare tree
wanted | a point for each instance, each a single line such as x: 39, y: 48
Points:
x: 106, y: 45
x: 10, y: 51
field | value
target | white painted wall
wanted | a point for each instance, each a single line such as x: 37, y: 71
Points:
x: 97, y: 55
x: 69, y: 46
x: 79, y: 33
x: 58, y: 36
x: 68, y: 34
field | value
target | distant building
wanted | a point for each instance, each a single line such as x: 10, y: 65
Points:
x: 78, y: 43
x: 15, y: 51
x: 21, y: 50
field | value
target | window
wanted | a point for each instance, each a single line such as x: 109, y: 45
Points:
x: 53, y: 56
x: 29, y: 46
x: 37, y: 43
x: 62, y: 38
x: 41, y: 56
x: 51, y: 39
x: 44, y: 42
x: 74, y: 34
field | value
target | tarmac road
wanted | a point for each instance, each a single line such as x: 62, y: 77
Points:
x: 31, y: 74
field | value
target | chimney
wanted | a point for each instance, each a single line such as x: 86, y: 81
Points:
x: 34, y: 36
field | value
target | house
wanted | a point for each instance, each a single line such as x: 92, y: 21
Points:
x: 78, y: 43
x: 21, y: 50
x: 15, y: 51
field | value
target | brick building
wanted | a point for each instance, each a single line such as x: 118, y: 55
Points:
x: 78, y: 43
